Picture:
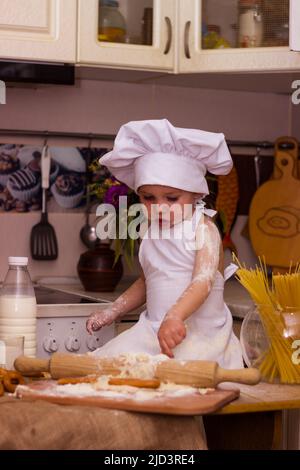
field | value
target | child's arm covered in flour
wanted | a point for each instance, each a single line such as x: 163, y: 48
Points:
x: 207, y: 261
x: 132, y: 298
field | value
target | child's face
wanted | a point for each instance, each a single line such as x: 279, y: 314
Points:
x: 165, y: 203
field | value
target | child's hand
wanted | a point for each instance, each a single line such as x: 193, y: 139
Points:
x: 171, y: 333
x: 100, y: 319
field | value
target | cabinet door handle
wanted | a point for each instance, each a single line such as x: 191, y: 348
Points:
x: 294, y: 25
x: 169, y: 35
x: 187, y: 39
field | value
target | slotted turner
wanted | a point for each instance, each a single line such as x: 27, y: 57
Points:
x: 43, y: 240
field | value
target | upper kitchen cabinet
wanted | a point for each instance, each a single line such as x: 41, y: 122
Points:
x: 134, y: 34
x: 39, y: 30
x: 237, y: 35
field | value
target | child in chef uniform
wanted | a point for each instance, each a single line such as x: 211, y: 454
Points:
x: 182, y: 281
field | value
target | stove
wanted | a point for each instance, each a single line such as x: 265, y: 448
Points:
x: 47, y: 296
x: 61, y: 319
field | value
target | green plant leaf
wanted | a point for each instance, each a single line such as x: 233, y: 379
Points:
x: 118, y: 251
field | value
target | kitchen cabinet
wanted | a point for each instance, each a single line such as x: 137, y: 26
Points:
x: 195, y: 36
x: 213, y: 35
x: 175, y: 36
x: 38, y: 30
x: 146, y: 43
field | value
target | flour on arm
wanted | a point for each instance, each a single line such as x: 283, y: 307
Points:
x: 207, y: 258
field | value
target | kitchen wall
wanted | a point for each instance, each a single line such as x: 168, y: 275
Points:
x: 102, y: 107
x: 94, y: 106
x: 295, y: 120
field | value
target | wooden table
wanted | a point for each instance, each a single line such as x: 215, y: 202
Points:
x: 254, y: 420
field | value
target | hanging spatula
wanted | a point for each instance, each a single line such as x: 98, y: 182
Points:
x: 43, y: 240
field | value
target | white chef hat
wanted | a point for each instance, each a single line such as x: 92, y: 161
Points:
x: 155, y: 152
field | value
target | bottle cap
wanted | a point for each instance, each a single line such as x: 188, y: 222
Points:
x: 17, y: 261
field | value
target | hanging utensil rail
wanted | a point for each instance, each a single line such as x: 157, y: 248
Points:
x: 264, y: 144
x: 56, y: 134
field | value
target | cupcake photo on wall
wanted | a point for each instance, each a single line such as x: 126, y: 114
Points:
x: 20, y: 178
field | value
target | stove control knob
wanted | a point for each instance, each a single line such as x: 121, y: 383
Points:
x: 93, y: 342
x: 50, y: 344
x: 72, y: 344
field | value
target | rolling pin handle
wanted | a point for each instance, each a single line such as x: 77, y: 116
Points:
x: 28, y: 365
x: 246, y: 376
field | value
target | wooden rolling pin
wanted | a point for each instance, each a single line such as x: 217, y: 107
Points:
x: 205, y: 374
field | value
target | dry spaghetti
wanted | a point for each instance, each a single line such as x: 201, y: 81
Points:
x: 278, y: 304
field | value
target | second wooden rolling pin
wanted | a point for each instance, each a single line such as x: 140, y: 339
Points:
x: 205, y: 374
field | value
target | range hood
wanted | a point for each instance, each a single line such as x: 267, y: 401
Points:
x: 37, y: 72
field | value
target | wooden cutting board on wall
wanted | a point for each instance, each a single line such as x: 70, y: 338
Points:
x: 294, y: 152
x: 274, y: 217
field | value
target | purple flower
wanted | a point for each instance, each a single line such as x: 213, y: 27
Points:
x: 114, y: 192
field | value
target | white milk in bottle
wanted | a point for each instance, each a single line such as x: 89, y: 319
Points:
x: 18, y: 305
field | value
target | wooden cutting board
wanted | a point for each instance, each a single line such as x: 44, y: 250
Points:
x: 274, y: 217
x: 189, y: 404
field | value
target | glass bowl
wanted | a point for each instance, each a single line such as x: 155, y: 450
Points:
x: 254, y: 341
x: 253, y: 338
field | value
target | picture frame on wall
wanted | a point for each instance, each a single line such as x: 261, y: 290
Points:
x: 20, y: 177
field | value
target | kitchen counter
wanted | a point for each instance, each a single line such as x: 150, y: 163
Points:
x: 77, y: 288
x: 264, y: 397
x: 236, y: 297
x: 265, y: 416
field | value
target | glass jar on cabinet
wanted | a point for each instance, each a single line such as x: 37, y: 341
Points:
x: 111, y: 23
x: 250, y: 23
